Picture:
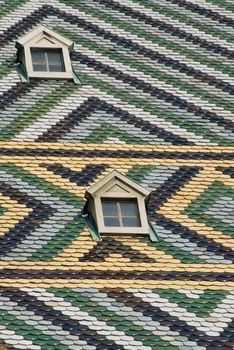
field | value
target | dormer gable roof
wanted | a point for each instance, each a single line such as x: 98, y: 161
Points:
x: 118, y: 183
x: 42, y: 36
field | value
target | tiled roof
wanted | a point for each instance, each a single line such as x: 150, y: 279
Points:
x: 156, y: 104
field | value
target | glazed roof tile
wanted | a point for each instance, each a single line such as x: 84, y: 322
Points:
x: 155, y: 104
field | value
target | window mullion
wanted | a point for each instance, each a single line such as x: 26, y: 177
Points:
x: 119, y: 214
x: 47, y: 61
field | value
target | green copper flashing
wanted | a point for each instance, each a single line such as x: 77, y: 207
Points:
x: 21, y: 70
x: 76, y: 78
x: 96, y: 235
x: 152, y: 233
x: 92, y: 229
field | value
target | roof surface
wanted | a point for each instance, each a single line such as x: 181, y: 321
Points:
x: 156, y: 104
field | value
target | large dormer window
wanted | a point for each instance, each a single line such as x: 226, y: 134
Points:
x: 45, y: 54
x: 117, y: 205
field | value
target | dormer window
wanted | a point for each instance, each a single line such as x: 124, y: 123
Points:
x: 45, y: 54
x: 117, y: 205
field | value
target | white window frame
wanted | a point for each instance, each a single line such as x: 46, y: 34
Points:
x: 51, y: 40
x: 130, y: 190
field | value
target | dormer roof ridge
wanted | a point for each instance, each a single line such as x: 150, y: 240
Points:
x: 123, y: 178
x: 30, y: 36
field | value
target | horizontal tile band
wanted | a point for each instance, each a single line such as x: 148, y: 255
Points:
x: 120, y: 275
x: 115, y: 154
x: 98, y: 283
x: 63, y: 265
x: 107, y: 146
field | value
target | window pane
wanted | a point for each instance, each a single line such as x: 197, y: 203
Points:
x: 109, y: 208
x: 38, y: 56
x: 111, y: 221
x: 55, y: 68
x: 39, y: 67
x: 129, y: 208
x: 130, y: 222
x: 54, y: 57
x: 55, y: 60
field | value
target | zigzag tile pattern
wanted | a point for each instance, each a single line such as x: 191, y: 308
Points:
x: 46, y: 197
x: 62, y: 289
x: 116, y: 319
x: 156, y: 104
x: 157, y: 73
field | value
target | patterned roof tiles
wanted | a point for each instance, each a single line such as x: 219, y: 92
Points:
x: 156, y: 104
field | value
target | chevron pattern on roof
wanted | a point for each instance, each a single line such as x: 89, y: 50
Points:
x: 61, y: 289
x: 156, y: 104
x: 42, y: 201
x: 152, y: 72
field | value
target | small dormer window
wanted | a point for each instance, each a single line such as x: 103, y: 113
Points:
x: 45, y: 54
x: 117, y: 205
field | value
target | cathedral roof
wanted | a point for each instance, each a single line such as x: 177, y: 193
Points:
x: 155, y: 103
